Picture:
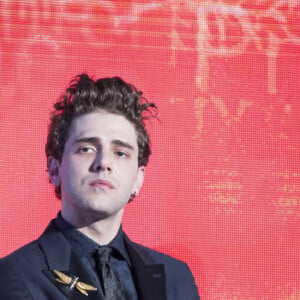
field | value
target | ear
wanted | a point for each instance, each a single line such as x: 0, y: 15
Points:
x: 139, y: 180
x: 53, y: 168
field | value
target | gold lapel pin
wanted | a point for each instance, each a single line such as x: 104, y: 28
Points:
x: 73, y: 282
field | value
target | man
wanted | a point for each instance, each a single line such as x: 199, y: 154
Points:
x: 97, y: 150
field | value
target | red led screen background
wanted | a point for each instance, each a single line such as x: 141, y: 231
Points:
x: 222, y: 188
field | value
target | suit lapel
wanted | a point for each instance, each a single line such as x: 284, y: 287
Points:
x: 150, y: 278
x: 60, y: 257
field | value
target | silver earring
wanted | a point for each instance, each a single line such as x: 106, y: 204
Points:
x: 132, y: 196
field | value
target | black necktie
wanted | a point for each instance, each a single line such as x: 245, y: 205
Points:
x: 112, y: 287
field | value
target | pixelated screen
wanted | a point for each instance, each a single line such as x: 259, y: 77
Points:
x: 222, y: 189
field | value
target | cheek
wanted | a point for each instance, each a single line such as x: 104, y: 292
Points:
x: 126, y: 175
x: 126, y: 168
x: 69, y: 170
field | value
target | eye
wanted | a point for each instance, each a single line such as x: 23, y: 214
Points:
x: 87, y: 149
x: 121, y: 154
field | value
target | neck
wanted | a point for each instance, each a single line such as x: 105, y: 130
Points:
x: 102, y: 230
x: 102, y: 234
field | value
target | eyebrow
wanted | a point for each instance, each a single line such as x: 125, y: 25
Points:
x: 122, y: 144
x: 91, y: 140
x: 95, y: 140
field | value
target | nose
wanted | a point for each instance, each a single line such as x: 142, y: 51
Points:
x: 102, y: 163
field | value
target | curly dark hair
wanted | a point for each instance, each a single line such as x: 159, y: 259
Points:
x: 85, y: 95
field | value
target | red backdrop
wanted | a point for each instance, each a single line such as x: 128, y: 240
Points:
x: 222, y: 188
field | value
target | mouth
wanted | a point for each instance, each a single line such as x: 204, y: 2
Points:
x: 102, y: 184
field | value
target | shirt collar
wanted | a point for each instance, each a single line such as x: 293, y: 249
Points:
x: 83, y: 245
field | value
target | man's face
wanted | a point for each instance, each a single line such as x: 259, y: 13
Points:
x: 99, y: 167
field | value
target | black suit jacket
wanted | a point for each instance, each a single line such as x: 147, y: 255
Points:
x: 28, y: 272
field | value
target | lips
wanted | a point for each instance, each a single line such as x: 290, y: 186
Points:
x: 101, y: 183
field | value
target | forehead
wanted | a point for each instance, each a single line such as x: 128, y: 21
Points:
x: 105, y: 126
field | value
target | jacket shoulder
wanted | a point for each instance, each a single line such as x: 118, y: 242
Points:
x: 27, y: 256
x: 154, y: 256
x: 179, y: 278
x: 17, y: 266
